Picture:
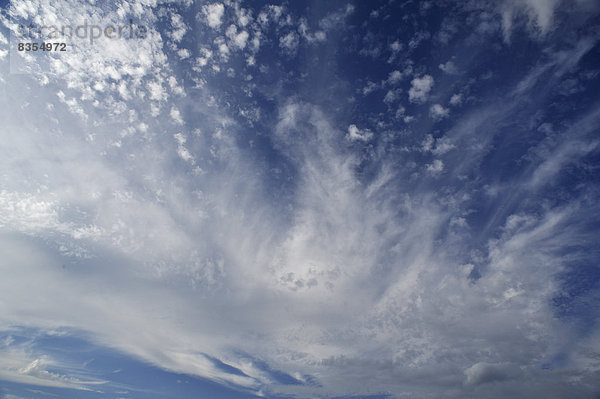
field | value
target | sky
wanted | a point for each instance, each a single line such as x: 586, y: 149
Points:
x: 305, y: 199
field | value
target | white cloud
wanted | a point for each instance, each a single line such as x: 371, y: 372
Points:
x: 240, y: 39
x: 438, y: 112
x: 289, y: 42
x: 18, y: 366
x: 206, y: 56
x: 182, y: 151
x: 24, y: 212
x: 437, y: 146
x: 543, y: 12
x: 176, y: 116
x: 396, y: 46
x: 369, y: 88
x: 442, y: 146
x: 356, y: 134
x: 178, y: 28
x: 400, y: 112
x: 183, y: 53
x: 427, y: 143
x: 275, y: 12
x: 417, y: 39
x: 214, y: 14
x: 255, y: 42
x: 223, y: 48
x: 174, y: 86
x: 420, y: 88
x: 392, y: 96
x: 456, y: 99
x: 436, y: 166
x: 449, y: 68
x: 481, y: 373
x: 263, y: 18
x: 244, y: 16
x: 320, y: 36
x: 157, y: 91
x: 336, y: 18
x: 337, y: 308
x: 540, y: 14
x: 317, y: 37
x: 395, y: 77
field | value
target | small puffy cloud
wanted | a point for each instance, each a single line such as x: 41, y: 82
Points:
x: 275, y: 12
x: 396, y: 46
x: 436, y: 166
x: 427, y: 143
x: 456, y: 99
x: 182, y: 151
x: 289, y: 43
x: 481, y: 373
x: 394, y: 77
x: 369, y: 88
x: 400, y: 112
x: 437, y: 146
x: 255, y: 42
x: 449, y: 67
x: 337, y: 18
x: 231, y: 31
x: 213, y: 14
x: 223, y: 48
x: 206, y: 55
x: 240, y: 39
x: 391, y: 96
x: 356, y: 134
x: 157, y: 91
x: 442, y: 146
x: 420, y: 89
x: 438, y: 112
x: 183, y: 53
x: 123, y: 90
x: 176, y: 115
x: 417, y: 39
x: 244, y: 16
x: 178, y: 28
x: 318, y: 36
x: 459, y: 222
x: 262, y: 18
x: 175, y: 88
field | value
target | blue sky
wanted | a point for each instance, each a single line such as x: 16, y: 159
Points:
x: 307, y: 199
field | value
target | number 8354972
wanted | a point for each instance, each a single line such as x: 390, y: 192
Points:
x: 42, y: 46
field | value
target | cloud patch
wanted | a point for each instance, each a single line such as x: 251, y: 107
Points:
x: 438, y: 112
x: 420, y: 88
x: 356, y: 134
x: 213, y: 14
